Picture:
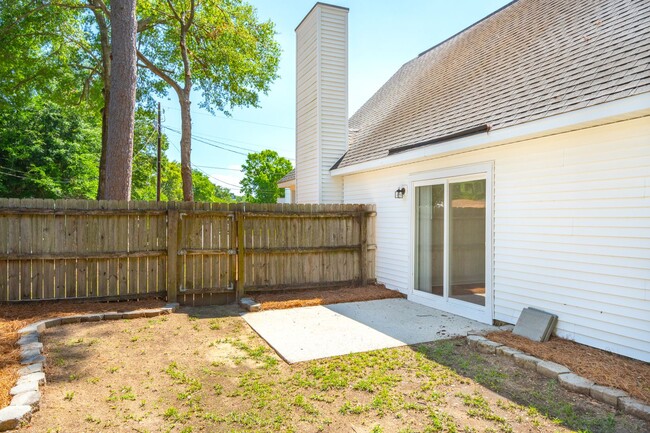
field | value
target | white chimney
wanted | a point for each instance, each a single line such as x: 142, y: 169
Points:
x: 321, y: 102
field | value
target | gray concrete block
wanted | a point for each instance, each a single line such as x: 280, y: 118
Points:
x: 535, y: 324
x: 526, y: 361
x: 133, y: 315
x: 33, y: 360
x: 634, y: 407
x: 30, y: 353
x: 70, y: 319
x: 31, y: 398
x: 12, y: 416
x: 30, y: 337
x: 32, y: 368
x: 506, y: 327
x: 24, y: 387
x: 473, y: 340
x: 575, y: 383
x: 33, y: 328
x: 487, y: 346
x: 51, y: 323
x: 92, y: 317
x: 113, y: 316
x: 551, y: 369
x: 249, y: 304
x: 508, y: 351
x: 38, y: 377
x: 607, y: 394
x: 152, y: 313
x: 173, y: 306
x: 34, y: 345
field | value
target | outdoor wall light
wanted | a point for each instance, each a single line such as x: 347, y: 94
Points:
x: 399, y: 193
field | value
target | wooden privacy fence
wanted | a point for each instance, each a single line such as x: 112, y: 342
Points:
x: 196, y: 253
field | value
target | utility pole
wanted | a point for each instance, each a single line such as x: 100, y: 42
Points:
x: 159, y: 154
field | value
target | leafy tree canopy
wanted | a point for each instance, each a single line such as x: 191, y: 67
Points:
x: 262, y: 171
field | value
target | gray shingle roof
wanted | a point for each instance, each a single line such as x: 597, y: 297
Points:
x: 532, y: 59
x: 289, y: 176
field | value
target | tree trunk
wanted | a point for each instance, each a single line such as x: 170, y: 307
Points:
x: 121, y: 108
x: 186, y: 146
x: 100, y: 18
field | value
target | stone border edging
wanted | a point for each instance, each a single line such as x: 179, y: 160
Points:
x: 617, y: 398
x: 26, y: 394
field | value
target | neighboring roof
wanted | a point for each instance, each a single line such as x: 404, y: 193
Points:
x: 291, y: 176
x: 529, y: 60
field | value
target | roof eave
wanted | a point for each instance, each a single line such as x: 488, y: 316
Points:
x: 621, y: 109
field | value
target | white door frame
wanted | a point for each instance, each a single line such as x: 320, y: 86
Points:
x: 485, y: 171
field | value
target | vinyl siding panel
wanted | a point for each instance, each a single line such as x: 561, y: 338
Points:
x: 571, y: 230
x: 322, y: 112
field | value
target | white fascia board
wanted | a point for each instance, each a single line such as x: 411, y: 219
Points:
x: 621, y: 109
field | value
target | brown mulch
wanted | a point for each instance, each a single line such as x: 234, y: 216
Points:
x: 308, y: 298
x: 15, y: 316
x: 602, y: 367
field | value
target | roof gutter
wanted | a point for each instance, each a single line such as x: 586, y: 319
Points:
x: 619, y: 110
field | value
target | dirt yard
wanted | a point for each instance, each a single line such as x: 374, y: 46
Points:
x: 204, y: 370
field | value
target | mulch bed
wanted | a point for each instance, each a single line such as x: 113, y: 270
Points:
x: 308, y: 298
x: 602, y: 367
x: 15, y: 316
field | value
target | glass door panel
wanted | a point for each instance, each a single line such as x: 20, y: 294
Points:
x: 429, y: 235
x: 467, y: 241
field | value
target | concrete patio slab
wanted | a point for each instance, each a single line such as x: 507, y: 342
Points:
x: 303, y: 334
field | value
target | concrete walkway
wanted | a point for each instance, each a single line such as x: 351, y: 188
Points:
x: 303, y: 334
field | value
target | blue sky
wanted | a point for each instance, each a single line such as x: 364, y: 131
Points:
x: 383, y: 35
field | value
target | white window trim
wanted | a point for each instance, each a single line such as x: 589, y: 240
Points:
x: 484, y: 314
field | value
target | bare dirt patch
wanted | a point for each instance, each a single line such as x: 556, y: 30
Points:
x: 604, y: 368
x: 204, y: 369
x: 15, y: 316
x: 309, y: 298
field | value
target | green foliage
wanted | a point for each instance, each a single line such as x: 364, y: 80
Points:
x: 232, y: 56
x: 47, y: 151
x: 262, y: 171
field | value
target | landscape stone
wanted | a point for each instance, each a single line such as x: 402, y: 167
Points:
x: 33, y: 328
x: 34, y: 345
x: 33, y: 368
x: 473, y: 340
x: 508, y: 351
x: 172, y: 306
x: 506, y: 327
x: 152, y: 313
x: 31, y: 337
x: 38, y: 377
x: 551, y: 369
x: 30, y: 353
x: 51, y: 323
x: 607, y: 394
x: 24, y: 387
x: 487, y: 346
x: 249, y: 304
x: 70, y: 319
x: 634, y: 407
x: 31, y: 398
x: 12, y: 416
x: 575, y: 383
x: 92, y: 317
x: 133, y: 315
x: 112, y: 316
x: 526, y: 361
x: 33, y: 360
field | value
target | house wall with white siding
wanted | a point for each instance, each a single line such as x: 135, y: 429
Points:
x: 571, y: 230
x: 321, y: 106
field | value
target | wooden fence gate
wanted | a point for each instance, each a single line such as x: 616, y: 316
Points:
x: 196, y: 253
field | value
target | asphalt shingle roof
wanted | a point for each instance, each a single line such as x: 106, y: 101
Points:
x: 529, y: 60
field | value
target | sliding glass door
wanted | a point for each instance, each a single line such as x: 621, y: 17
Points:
x: 450, y: 235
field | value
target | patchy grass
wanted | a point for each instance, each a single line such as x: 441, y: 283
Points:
x: 217, y: 375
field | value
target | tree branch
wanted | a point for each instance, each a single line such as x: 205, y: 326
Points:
x: 160, y: 73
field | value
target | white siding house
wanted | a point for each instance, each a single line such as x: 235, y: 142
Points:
x: 524, y: 154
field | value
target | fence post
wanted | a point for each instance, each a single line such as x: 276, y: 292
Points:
x: 172, y: 255
x: 363, y: 238
x: 241, y: 251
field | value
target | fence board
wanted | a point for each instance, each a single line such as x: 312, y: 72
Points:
x: 74, y: 249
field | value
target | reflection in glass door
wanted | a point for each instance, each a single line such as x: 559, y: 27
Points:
x: 450, y: 221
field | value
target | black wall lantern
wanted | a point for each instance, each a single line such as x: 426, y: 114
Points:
x: 399, y: 193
